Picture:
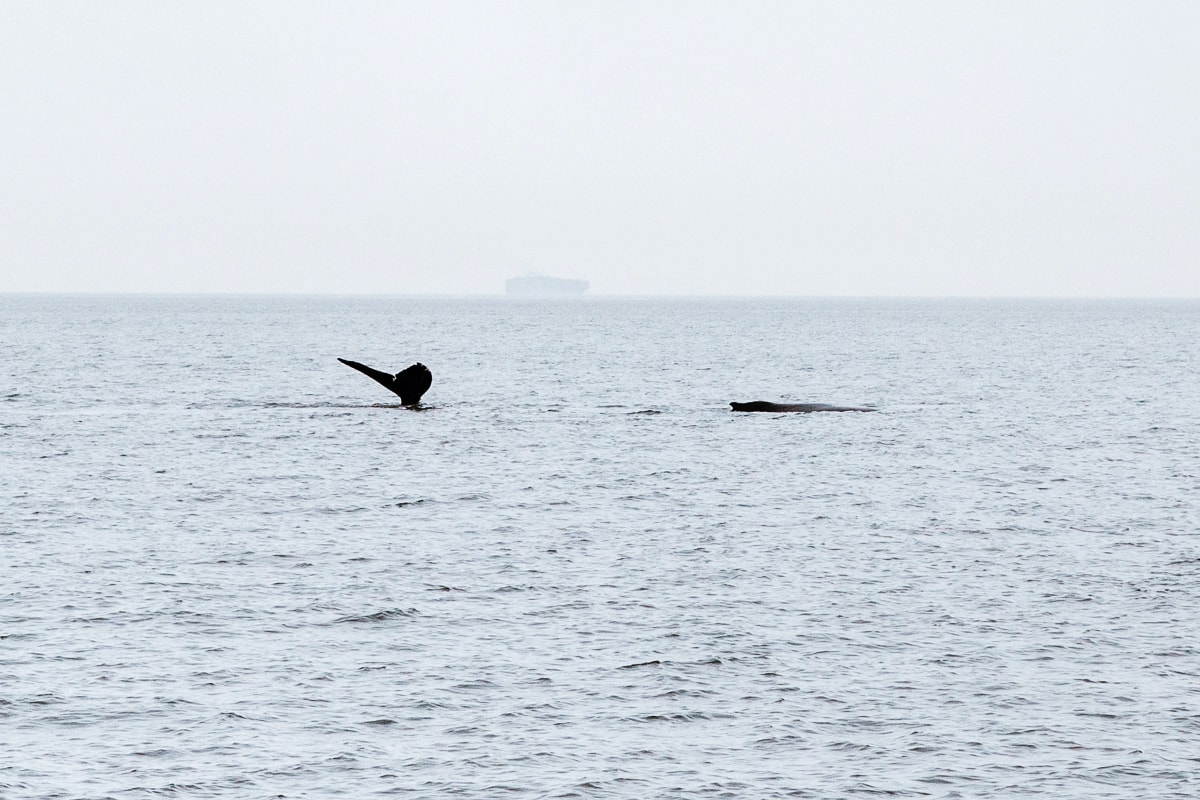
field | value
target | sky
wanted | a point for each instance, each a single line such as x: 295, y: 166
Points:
x: 1047, y: 148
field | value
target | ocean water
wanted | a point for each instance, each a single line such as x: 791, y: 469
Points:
x: 232, y: 567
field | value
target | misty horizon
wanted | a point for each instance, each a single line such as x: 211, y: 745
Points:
x: 771, y: 149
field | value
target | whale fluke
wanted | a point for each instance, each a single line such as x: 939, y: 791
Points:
x: 409, y: 383
x: 761, y: 405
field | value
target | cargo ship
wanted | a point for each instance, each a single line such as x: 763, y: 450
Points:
x: 532, y: 284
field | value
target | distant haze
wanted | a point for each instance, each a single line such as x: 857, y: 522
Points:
x: 939, y: 148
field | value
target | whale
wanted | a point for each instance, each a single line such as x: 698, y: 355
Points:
x: 410, y: 383
x: 762, y: 405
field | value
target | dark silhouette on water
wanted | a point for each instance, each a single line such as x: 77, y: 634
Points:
x: 761, y: 405
x: 409, y: 383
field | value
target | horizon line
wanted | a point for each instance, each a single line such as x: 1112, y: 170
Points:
x: 577, y: 298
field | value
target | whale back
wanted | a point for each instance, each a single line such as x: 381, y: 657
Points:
x: 762, y: 405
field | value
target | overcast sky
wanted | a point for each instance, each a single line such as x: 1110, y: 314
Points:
x: 832, y: 148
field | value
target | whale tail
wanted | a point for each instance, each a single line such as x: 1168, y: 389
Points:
x: 412, y: 382
x: 409, y: 383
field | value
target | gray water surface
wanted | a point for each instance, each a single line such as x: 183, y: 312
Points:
x: 232, y: 567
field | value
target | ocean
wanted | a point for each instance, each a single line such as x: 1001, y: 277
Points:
x: 233, y: 567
